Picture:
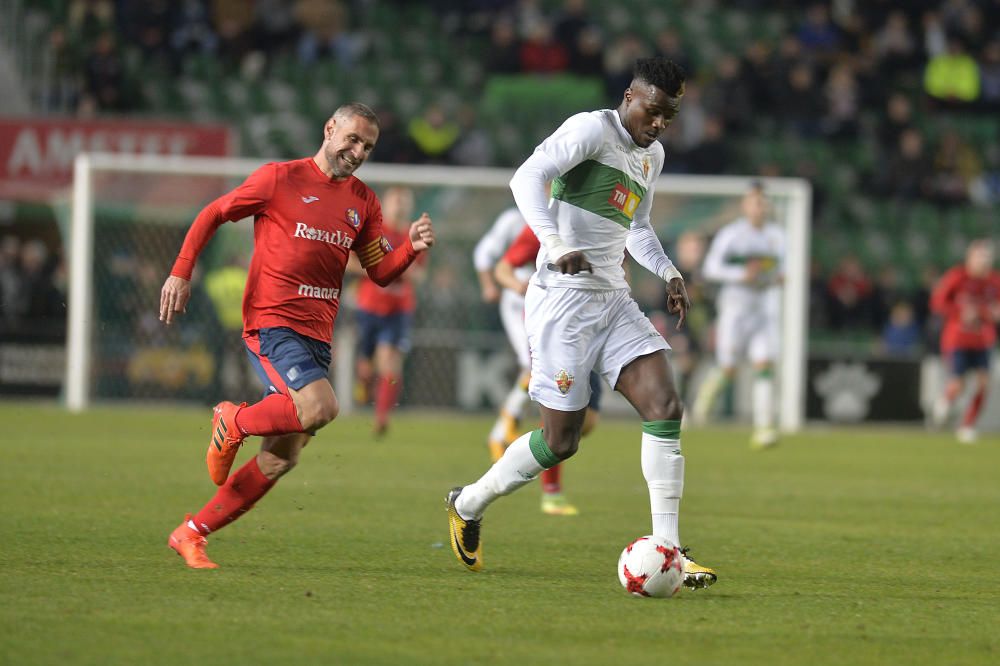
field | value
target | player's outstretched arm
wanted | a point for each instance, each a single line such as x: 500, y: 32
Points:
x: 174, y: 297
x: 383, y: 268
x: 504, y: 274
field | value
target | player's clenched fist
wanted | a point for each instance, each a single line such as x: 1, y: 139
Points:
x: 174, y: 297
x: 422, y: 233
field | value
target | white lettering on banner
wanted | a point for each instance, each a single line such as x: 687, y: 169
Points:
x: 483, y: 375
x: 338, y: 237
x: 61, y: 146
x: 326, y: 293
x: 37, y: 365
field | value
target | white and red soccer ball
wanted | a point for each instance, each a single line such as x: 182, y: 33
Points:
x: 651, y: 566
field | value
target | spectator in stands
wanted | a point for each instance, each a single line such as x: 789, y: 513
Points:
x: 64, y: 89
x: 10, y: 280
x: 104, y: 76
x: 952, y: 78
x: 886, y: 292
x: 712, y: 154
x: 87, y: 20
x: 394, y: 143
x: 848, y: 295
x: 897, y: 118
x: 192, y: 31
x: 800, y: 103
x: 473, y: 147
x: 275, y: 28
x: 540, y: 53
x: 504, y: 51
x: 728, y: 96
x: 956, y: 166
x: 670, y: 45
x: 42, y: 302
x: 908, y: 174
x: 587, y: 59
x: 843, y: 103
x: 757, y: 73
x: 818, y: 34
x: 233, y: 20
x: 433, y: 134
x: 901, y: 335
x: 618, y: 62
x: 325, y: 33
x: 570, y: 23
x: 895, y: 45
x: 989, y: 76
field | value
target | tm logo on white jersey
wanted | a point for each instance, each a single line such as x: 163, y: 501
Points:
x: 309, y: 199
x: 338, y: 237
x: 325, y: 293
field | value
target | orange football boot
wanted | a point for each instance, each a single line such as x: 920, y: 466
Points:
x: 225, y: 442
x: 191, y: 546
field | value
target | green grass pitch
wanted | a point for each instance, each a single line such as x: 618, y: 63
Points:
x: 854, y: 546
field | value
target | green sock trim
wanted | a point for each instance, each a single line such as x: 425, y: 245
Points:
x: 667, y: 429
x: 543, y: 454
x: 765, y: 373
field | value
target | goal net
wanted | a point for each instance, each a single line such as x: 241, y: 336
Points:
x: 130, y: 214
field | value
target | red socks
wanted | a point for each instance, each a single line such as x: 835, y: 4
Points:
x: 237, y: 496
x: 972, y: 412
x: 551, y: 480
x: 385, y: 398
x: 274, y: 415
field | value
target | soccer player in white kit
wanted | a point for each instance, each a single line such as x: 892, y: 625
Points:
x: 747, y: 258
x: 579, y: 313
x: 485, y: 256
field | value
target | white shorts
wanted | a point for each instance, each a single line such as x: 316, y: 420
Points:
x: 512, y: 316
x: 574, y: 331
x: 745, y: 333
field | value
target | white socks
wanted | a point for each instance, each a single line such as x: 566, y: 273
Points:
x: 663, y: 467
x: 762, y: 400
x: 523, y: 461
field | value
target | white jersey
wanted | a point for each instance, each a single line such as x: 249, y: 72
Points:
x: 492, y: 246
x: 604, y: 189
x: 731, y: 249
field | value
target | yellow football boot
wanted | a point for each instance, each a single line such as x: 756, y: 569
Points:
x: 696, y: 576
x: 464, y: 534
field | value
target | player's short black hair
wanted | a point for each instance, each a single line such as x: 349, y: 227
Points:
x: 352, y: 109
x: 661, y: 72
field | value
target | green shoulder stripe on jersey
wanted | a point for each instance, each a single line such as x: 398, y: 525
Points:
x: 666, y: 429
x: 600, y: 189
x: 743, y: 259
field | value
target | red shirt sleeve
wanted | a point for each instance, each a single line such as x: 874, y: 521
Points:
x: 381, y: 261
x: 524, y: 249
x: 250, y: 198
x: 943, y: 296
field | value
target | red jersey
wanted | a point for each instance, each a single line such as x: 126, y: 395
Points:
x: 524, y: 249
x: 967, y: 304
x: 397, y: 297
x: 304, y: 226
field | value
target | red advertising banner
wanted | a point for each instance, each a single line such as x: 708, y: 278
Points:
x: 36, y: 156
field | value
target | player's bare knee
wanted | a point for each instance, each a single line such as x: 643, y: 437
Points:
x: 563, y: 442
x: 668, y: 407
x: 316, y: 415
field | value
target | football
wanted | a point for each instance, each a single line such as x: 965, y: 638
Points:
x: 651, y: 566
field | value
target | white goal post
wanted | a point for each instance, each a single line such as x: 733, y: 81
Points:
x: 795, y: 193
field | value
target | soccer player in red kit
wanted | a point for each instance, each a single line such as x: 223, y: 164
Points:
x: 385, y: 315
x: 308, y: 215
x: 968, y: 297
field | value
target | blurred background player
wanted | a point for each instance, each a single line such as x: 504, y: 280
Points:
x: 968, y: 298
x: 308, y: 215
x: 485, y: 256
x: 512, y: 273
x: 746, y: 257
x: 385, y: 316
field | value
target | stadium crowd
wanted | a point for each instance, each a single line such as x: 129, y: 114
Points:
x: 897, y: 84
